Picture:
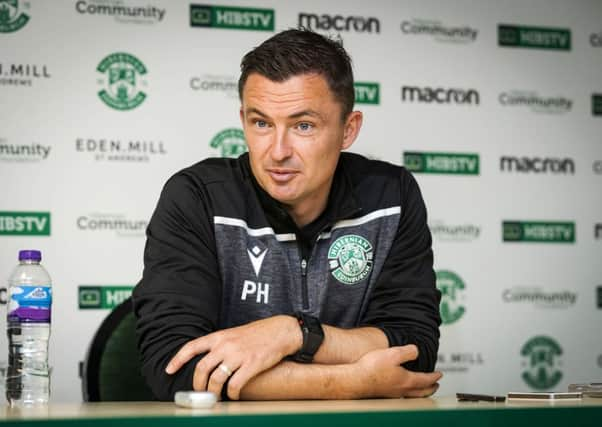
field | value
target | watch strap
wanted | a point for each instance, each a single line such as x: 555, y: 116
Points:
x: 313, y: 335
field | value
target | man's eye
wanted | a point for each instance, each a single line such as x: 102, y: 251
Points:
x: 304, y: 127
x: 261, y: 124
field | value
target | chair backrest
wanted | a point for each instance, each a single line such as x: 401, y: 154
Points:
x: 111, y: 371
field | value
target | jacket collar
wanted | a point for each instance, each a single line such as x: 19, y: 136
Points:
x: 342, y: 204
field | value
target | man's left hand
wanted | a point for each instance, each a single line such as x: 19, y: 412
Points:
x: 240, y: 353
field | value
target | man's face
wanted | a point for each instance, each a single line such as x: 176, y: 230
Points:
x: 295, y: 134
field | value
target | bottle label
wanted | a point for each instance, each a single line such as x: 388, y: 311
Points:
x: 29, y: 304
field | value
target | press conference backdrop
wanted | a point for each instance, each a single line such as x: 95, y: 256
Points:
x: 495, y: 106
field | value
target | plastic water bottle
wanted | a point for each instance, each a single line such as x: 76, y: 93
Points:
x: 28, y: 328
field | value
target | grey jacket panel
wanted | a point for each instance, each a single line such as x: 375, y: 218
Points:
x: 341, y: 271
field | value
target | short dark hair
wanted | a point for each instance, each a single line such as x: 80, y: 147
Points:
x: 300, y: 51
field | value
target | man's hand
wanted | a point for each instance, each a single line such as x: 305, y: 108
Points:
x: 381, y: 375
x: 245, y: 351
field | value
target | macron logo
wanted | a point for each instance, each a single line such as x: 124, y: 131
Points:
x: 256, y: 256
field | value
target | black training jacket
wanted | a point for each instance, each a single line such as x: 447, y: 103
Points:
x: 220, y: 252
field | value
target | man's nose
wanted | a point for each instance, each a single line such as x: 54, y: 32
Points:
x: 281, y: 148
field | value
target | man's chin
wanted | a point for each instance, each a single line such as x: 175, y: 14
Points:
x: 284, y: 197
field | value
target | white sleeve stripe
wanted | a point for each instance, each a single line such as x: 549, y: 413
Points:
x: 256, y: 232
x: 395, y: 210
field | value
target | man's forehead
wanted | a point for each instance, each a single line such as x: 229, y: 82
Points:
x: 298, y: 82
x: 308, y: 75
x: 299, y: 92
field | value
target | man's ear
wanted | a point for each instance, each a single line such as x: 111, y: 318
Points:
x: 353, y: 124
x: 242, y: 117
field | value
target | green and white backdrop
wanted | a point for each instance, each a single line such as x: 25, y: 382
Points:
x: 496, y: 107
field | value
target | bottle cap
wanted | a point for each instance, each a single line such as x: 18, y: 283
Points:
x: 30, y: 255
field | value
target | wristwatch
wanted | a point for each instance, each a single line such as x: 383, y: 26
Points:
x: 313, y: 335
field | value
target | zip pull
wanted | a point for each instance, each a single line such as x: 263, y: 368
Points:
x: 304, y: 290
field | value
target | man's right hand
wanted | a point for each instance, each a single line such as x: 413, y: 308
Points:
x: 380, y: 374
x: 245, y: 351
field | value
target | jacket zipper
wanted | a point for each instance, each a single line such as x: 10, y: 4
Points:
x: 305, y: 257
x: 304, y: 291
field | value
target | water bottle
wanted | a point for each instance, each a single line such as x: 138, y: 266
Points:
x: 28, y: 328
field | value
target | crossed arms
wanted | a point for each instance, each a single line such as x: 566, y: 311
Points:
x: 350, y: 364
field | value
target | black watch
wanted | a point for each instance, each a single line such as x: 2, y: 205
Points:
x: 313, y: 335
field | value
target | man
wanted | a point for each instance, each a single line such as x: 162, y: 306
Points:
x: 293, y: 272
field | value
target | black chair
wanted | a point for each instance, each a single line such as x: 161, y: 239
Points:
x: 111, y: 371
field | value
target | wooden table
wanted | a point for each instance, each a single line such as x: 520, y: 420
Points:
x: 440, y: 412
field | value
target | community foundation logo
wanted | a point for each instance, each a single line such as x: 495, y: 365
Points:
x: 117, y: 150
x: 12, y: 15
x: 231, y: 142
x: 538, y: 232
x: 534, y: 102
x: 454, y: 232
x: 122, y: 11
x: 440, y: 95
x: 119, y: 224
x: 540, y: 298
x: 597, y: 104
x: 232, y: 18
x: 123, y: 76
x: 541, y: 363
x: 538, y: 165
x: 23, y: 153
x: 367, y: 93
x: 212, y: 83
x: 460, y: 34
x: 350, y: 259
x: 441, y: 163
x: 101, y: 296
x: 458, y: 362
x: 534, y: 37
x: 323, y: 22
x: 452, y: 296
x: 19, y: 74
x: 24, y: 223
